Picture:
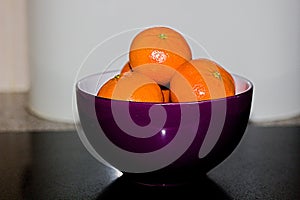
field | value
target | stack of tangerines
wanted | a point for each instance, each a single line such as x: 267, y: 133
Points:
x: 161, y: 69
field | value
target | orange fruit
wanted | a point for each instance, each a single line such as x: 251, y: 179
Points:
x: 107, y: 89
x: 201, y: 79
x: 131, y: 86
x: 162, y: 46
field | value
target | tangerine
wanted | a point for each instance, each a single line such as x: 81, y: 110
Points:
x: 131, y: 86
x: 107, y: 89
x: 201, y: 79
x: 162, y: 46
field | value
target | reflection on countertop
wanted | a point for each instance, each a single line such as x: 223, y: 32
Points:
x: 56, y: 165
x: 15, y: 116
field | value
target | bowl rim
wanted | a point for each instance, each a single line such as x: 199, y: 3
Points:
x: 247, y: 81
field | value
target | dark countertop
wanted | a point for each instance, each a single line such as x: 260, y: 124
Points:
x: 55, y: 165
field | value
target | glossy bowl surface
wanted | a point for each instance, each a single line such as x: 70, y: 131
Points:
x: 166, y: 143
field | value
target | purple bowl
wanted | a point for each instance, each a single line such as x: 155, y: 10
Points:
x: 162, y: 143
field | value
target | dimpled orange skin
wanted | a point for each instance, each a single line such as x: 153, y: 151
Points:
x: 162, y: 46
x: 132, y: 86
x: 199, y: 80
x: 165, y: 91
x: 107, y: 89
x: 157, y: 72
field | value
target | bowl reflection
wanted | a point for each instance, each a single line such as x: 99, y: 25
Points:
x: 124, y: 187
